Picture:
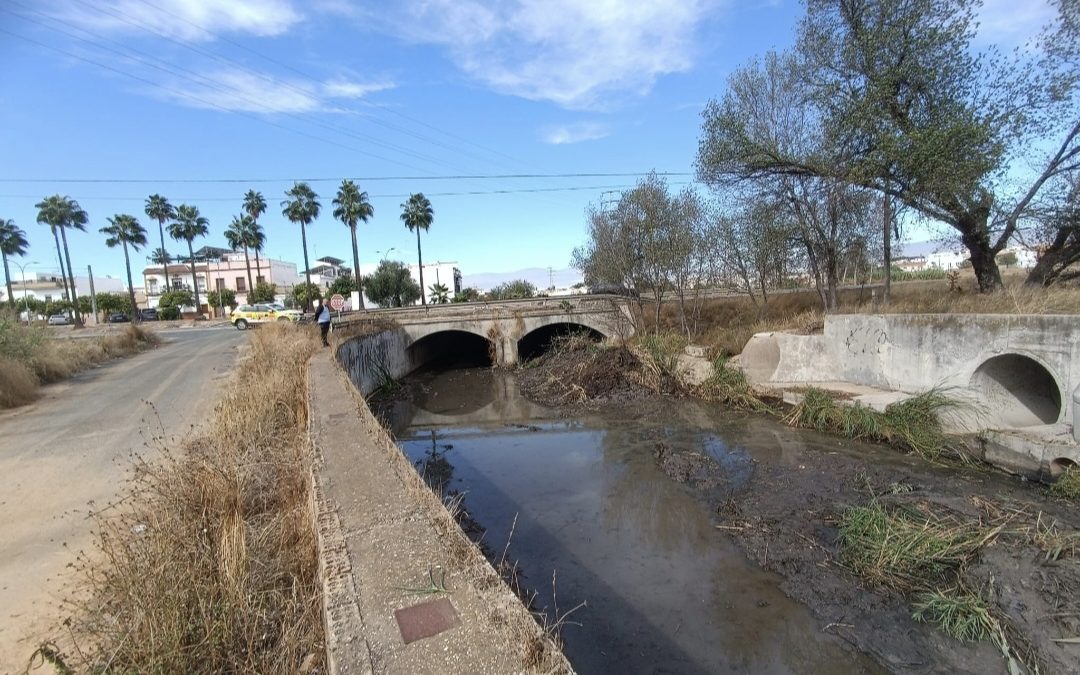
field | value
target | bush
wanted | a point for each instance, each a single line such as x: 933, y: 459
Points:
x: 263, y: 292
x: 512, y: 290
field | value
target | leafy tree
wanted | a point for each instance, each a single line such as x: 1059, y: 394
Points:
x: 512, y: 290
x: 302, y: 206
x: 417, y: 215
x: 1006, y: 258
x: 255, y: 206
x: 304, y: 295
x: 84, y: 305
x: 350, y: 207
x: 60, y: 213
x: 908, y: 108
x: 159, y: 208
x: 467, y: 294
x: 125, y: 230
x: 224, y: 297
x: 170, y: 302
x: 440, y: 294
x: 391, y: 285
x: 160, y: 256
x: 108, y: 303
x: 12, y: 242
x: 238, y: 235
x: 343, y: 286
x: 187, y: 225
x: 263, y: 292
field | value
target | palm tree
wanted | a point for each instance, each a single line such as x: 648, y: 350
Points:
x: 440, y: 294
x: 238, y: 235
x: 125, y: 230
x: 160, y: 257
x: 350, y: 206
x: 12, y: 242
x: 159, y: 208
x: 187, y: 225
x: 418, y: 215
x: 302, y: 206
x: 60, y: 213
x: 255, y: 206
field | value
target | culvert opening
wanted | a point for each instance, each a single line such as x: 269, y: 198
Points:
x: 451, y: 349
x: 1060, y: 466
x: 1018, y: 391
x: 541, y: 340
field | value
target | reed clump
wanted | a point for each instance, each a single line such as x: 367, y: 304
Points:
x: 209, y: 564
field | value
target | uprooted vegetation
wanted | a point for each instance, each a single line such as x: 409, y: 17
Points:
x: 209, y: 564
x: 29, y: 358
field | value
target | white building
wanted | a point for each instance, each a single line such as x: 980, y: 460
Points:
x: 49, y: 286
x: 219, y: 269
x: 445, y: 273
x: 946, y: 259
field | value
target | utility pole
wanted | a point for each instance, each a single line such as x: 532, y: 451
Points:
x: 551, y: 280
x: 93, y: 295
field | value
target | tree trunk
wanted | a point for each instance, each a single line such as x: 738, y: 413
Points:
x: 194, y: 280
x: 258, y: 266
x: 887, y: 249
x: 420, y: 261
x: 135, y: 318
x: 356, y: 265
x: 164, y: 255
x: 982, y: 259
x: 247, y: 263
x: 74, y: 292
x: 7, y: 277
x: 307, y: 268
x: 60, y: 257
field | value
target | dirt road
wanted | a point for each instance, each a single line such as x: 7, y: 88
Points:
x: 71, y: 448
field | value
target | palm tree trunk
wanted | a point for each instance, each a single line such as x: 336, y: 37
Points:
x: 420, y: 262
x: 74, y: 292
x: 258, y: 266
x: 356, y: 264
x: 194, y: 279
x: 164, y: 256
x: 307, y: 267
x: 135, y: 318
x: 7, y: 277
x: 60, y: 257
x: 247, y: 262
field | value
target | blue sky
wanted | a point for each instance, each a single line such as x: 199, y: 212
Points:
x: 251, y: 94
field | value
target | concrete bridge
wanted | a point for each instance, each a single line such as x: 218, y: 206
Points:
x: 501, y: 333
x: 1021, y: 372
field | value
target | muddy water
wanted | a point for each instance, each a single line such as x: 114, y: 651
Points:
x: 596, y: 523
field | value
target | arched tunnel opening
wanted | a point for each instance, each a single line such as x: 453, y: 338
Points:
x: 540, y: 341
x: 451, y: 349
x: 1018, y: 391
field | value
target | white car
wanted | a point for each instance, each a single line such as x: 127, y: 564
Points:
x: 59, y: 320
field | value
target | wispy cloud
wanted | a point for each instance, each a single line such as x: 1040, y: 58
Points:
x: 188, y: 20
x: 1011, y: 23
x: 579, y: 55
x: 248, y: 91
x: 575, y: 133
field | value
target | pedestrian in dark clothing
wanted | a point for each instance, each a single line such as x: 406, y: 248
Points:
x: 322, y: 317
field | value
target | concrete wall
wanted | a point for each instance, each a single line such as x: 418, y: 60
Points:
x: 368, y: 360
x: 1016, y: 365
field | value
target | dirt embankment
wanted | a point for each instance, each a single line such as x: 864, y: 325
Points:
x: 1020, y: 563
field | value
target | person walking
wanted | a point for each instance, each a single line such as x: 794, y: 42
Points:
x: 322, y: 317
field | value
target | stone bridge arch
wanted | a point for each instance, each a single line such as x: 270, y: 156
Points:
x: 460, y: 344
x: 539, y: 338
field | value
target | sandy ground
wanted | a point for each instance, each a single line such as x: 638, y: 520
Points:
x: 69, y: 451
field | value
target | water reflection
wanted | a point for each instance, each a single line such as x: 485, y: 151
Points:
x: 665, y: 590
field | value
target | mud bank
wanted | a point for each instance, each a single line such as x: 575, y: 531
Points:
x: 785, y: 515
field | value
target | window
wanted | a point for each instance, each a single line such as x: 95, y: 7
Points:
x: 260, y: 279
x: 220, y: 284
x: 240, y: 284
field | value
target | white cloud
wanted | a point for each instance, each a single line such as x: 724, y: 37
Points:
x: 247, y: 91
x: 1013, y: 23
x: 575, y: 133
x: 188, y: 20
x: 577, y: 54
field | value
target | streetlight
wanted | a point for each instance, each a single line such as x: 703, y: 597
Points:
x: 22, y: 273
x: 385, y: 253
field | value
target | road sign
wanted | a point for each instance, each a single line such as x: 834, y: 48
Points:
x: 336, y: 302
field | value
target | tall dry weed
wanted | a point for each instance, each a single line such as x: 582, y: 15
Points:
x: 18, y: 384
x: 209, y: 565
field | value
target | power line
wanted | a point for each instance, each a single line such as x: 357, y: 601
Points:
x: 367, y: 179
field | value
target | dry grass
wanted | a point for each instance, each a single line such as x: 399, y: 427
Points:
x: 727, y: 323
x: 1067, y: 484
x: 31, y: 358
x: 210, y: 564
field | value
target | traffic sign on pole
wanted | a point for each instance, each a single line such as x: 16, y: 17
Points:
x: 337, y: 302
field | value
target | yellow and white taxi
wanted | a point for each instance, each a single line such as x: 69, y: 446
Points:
x: 246, y: 315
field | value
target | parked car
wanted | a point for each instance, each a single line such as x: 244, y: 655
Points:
x: 59, y: 320
x: 148, y: 314
x: 246, y: 315
x: 118, y: 317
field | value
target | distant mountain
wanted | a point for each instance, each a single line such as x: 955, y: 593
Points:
x: 537, y: 276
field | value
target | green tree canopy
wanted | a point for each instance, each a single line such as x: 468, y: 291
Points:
x: 124, y: 230
x: 391, y: 285
x: 512, y: 290
x: 12, y: 242
x: 225, y: 297
x: 467, y: 294
x: 159, y: 209
x: 305, y: 295
x: 188, y: 225
x: 263, y: 292
x: 343, y: 286
x: 61, y: 213
x: 440, y: 294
